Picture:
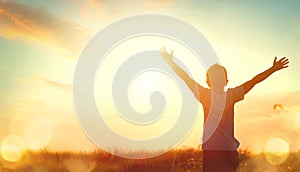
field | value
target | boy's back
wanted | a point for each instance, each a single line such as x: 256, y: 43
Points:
x: 219, y: 117
x: 219, y: 144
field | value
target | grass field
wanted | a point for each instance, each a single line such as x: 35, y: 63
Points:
x: 175, y: 160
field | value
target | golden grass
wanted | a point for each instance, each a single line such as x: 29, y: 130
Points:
x: 176, y: 160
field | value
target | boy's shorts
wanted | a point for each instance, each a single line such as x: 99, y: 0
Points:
x: 220, y: 161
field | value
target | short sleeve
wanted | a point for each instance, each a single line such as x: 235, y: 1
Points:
x: 200, y: 93
x: 238, y: 93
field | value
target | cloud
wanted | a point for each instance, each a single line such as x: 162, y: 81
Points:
x: 34, y: 24
x: 105, y: 10
x: 119, y: 6
x: 48, y: 82
x: 57, y: 85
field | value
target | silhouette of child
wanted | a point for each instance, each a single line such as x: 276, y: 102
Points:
x: 218, y: 143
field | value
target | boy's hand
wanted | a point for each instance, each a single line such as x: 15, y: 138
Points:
x: 167, y: 57
x: 280, y: 64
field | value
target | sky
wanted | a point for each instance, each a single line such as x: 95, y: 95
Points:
x: 41, y: 41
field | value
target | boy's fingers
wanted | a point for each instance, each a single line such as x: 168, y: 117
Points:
x: 275, y: 59
x: 285, y: 61
x: 285, y: 66
x: 282, y: 59
x: 161, y: 50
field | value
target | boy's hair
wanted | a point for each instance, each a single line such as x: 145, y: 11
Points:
x: 216, y: 68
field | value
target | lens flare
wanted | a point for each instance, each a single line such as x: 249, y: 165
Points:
x: 276, y: 151
x: 38, y: 133
x: 12, y: 148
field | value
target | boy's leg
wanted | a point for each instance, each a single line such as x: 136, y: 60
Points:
x: 216, y: 161
x: 211, y: 161
x: 231, y: 160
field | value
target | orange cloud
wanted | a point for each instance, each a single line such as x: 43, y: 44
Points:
x: 103, y: 10
x: 120, y: 6
x: 36, y: 25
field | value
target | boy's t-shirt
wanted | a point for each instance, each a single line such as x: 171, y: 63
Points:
x: 219, y: 118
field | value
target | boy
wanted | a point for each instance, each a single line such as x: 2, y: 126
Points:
x: 219, y: 144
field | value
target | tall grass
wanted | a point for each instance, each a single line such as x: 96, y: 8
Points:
x: 177, y: 160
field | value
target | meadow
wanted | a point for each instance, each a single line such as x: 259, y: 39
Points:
x: 177, y: 160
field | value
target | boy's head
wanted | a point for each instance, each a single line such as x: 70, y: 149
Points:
x: 216, y: 77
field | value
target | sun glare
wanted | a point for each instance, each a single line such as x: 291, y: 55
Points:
x: 38, y: 133
x: 148, y: 83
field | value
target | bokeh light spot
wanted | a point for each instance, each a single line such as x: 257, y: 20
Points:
x: 12, y: 148
x: 276, y: 151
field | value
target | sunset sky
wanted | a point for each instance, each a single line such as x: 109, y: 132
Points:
x: 41, y: 41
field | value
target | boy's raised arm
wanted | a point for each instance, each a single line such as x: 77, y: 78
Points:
x: 277, y: 65
x: 193, y: 85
